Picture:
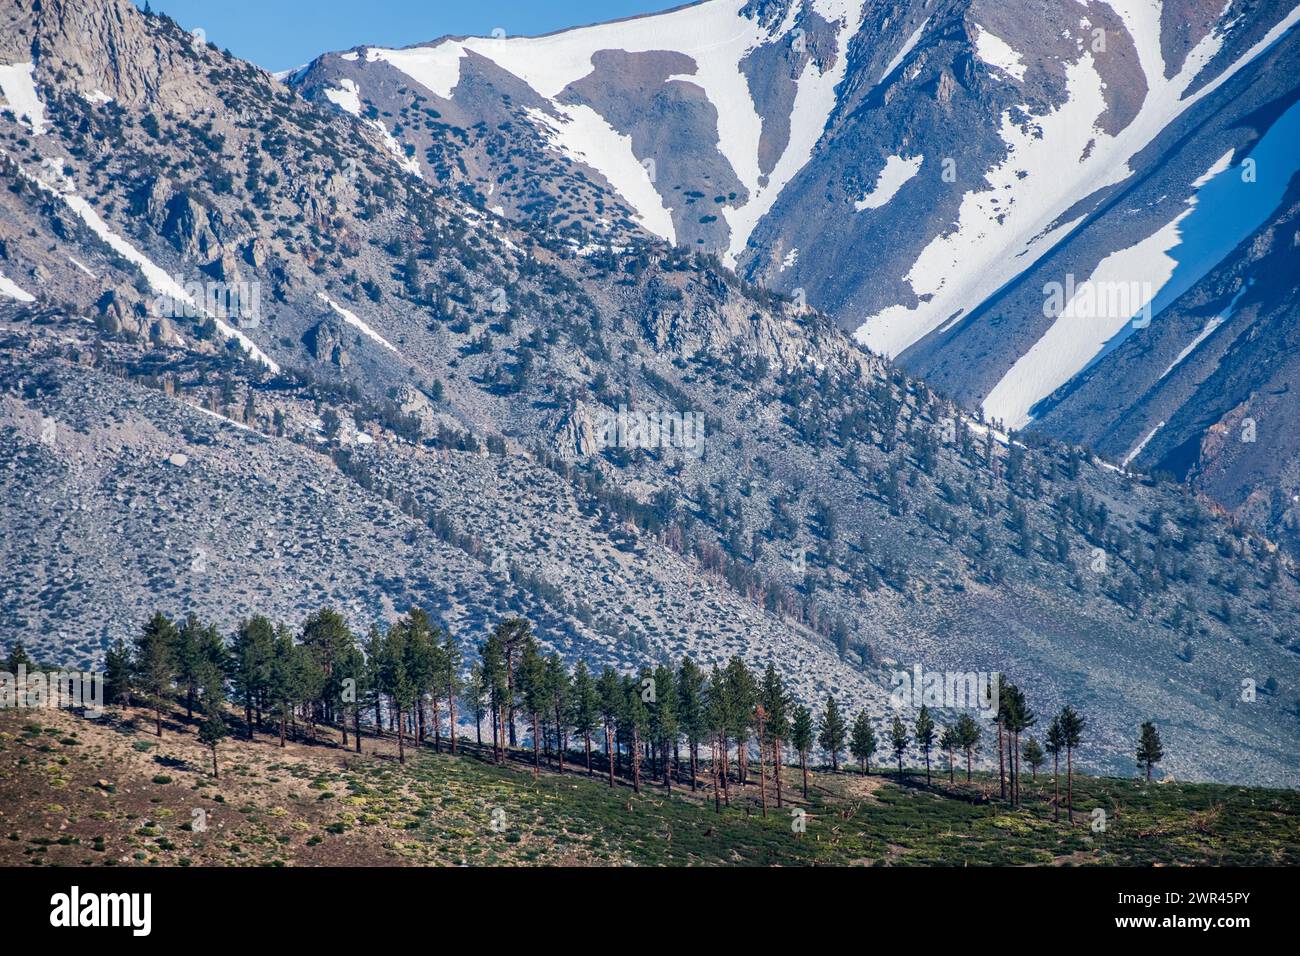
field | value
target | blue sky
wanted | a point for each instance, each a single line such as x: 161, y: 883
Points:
x: 280, y: 34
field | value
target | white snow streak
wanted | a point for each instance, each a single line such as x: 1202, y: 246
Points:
x: 353, y: 321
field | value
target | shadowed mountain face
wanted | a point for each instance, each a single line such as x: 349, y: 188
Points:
x: 929, y: 173
x: 408, y: 403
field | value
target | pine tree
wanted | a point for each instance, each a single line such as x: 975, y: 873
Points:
x: 801, y: 738
x: 717, y: 716
x: 898, y: 741
x: 664, y: 720
x: 17, y: 658
x: 351, y: 677
x: 211, y: 683
x: 117, y: 674
x: 584, y: 709
x: 949, y: 742
x: 1072, y: 726
x: 284, y: 675
x: 1054, y: 744
x: 862, y: 741
x: 610, y: 691
x: 637, y: 720
x: 1034, y: 756
x: 924, y: 729
x: 776, y: 705
x: 559, y: 688
x: 250, y: 674
x: 968, y: 737
x: 187, y: 659
x: 474, y: 697
x: 691, y: 716
x: 452, y: 659
x: 832, y: 733
x: 1016, y: 717
x: 395, y: 679
x: 531, y: 682
x: 742, y: 692
x: 493, y: 669
x: 1150, y: 751
x: 153, y: 663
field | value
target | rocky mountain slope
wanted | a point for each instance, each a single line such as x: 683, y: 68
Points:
x: 1136, y: 153
x: 407, y: 407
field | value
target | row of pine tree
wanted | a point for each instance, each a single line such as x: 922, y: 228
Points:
x: 654, y: 724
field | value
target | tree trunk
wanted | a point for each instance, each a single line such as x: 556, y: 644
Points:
x: 691, y: 749
x: 1069, y: 783
x: 968, y: 765
x: 1056, y: 785
x: 1002, y: 771
x: 586, y: 745
x: 356, y: 727
x: 609, y: 752
x: 451, y: 717
x: 803, y: 765
x: 437, y: 727
x: 157, y: 718
x: 537, y: 751
x: 635, y: 756
x: 282, y: 723
x: 401, y: 741
x: 248, y: 718
x: 216, y: 774
x: 776, y: 770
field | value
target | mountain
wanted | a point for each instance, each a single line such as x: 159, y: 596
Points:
x: 1139, y: 154
x: 406, y: 403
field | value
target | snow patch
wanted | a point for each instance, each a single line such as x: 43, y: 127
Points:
x: 19, y: 89
x: 585, y: 136
x: 897, y: 171
x: 997, y: 53
x: 10, y: 289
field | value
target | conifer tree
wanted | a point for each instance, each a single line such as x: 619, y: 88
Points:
x: 611, y: 692
x: 1034, y: 756
x: 637, y: 718
x: 531, y: 682
x: 924, y: 729
x: 474, y: 697
x: 742, y: 693
x: 452, y: 659
x: 584, y: 709
x: 949, y: 741
x: 801, y: 738
x: 498, y: 689
x: 717, y: 711
x: 117, y: 674
x: 212, y: 730
x: 17, y: 658
x: 832, y: 732
x: 559, y: 688
x: 691, y: 716
x: 862, y: 741
x: 776, y: 705
x: 664, y: 720
x: 898, y: 741
x: 395, y: 678
x: 250, y: 673
x: 1072, y: 726
x: 968, y: 737
x: 284, y: 674
x: 1054, y: 744
x: 153, y: 663
x: 187, y: 659
x: 1150, y: 751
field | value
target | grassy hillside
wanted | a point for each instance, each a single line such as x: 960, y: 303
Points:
x: 75, y: 792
